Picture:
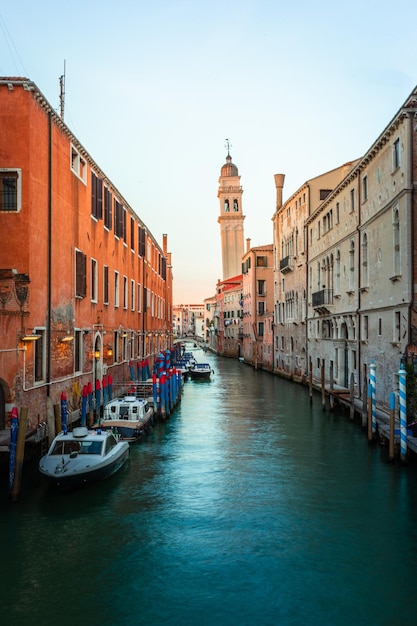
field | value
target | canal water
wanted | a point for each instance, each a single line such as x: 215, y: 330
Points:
x: 250, y: 505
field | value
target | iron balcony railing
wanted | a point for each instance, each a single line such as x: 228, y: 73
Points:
x: 286, y: 264
x: 323, y: 297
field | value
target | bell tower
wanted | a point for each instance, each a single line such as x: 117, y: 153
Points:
x: 231, y: 218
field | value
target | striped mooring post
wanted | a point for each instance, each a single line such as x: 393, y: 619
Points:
x: 402, y: 379
x: 372, y: 379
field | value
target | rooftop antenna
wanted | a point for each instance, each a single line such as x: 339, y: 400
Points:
x: 228, y: 145
x: 62, y: 94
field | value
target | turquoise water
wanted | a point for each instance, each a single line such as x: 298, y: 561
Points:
x: 250, y: 505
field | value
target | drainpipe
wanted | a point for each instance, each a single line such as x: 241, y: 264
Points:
x: 49, y: 261
x: 307, y: 265
x: 410, y: 212
x: 358, y: 314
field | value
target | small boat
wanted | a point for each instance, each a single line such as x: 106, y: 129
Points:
x: 201, y: 370
x: 131, y: 416
x: 83, y: 456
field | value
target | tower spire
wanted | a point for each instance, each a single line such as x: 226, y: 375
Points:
x: 228, y: 145
x: 231, y: 217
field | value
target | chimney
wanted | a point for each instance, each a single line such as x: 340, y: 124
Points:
x: 247, y: 244
x: 279, y: 184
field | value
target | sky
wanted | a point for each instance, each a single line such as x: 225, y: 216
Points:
x: 154, y: 88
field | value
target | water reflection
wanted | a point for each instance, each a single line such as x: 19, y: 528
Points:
x: 250, y: 505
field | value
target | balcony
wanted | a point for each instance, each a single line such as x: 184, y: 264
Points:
x: 286, y: 264
x: 322, y: 300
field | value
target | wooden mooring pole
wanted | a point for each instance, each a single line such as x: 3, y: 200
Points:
x: 323, y: 387
x: 310, y: 379
x: 391, y: 426
x: 57, y: 414
x: 331, y: 398
x: 370, y: 436
x: 20, y: 453
x: 352, y: 396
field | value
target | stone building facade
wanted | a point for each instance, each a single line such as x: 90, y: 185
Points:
x: 359, y: 275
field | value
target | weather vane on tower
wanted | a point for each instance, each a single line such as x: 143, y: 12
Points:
x: 228, y: 145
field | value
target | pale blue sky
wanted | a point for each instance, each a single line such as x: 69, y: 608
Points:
x: 153, y: 88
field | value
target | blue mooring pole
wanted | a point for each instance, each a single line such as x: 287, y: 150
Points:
x: 402, y: 376
x: 372, y: 378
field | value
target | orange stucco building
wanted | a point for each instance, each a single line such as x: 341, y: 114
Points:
x: 85, y: 289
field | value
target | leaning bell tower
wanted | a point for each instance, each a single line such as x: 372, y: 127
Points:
x: 231, y: 218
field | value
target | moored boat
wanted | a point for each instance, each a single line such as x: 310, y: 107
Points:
x: 131, y: 416
x: 83, y: 456
x: 201, y: 371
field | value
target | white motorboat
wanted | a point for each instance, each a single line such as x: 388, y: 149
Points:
x: 201, y: 371
x: 82, y: 456
x: 129, y: 416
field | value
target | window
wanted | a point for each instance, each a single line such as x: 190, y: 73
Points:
x: 352, y: 200
x: 119, y: 220
x: 397, y: 327
x: 142, y: 241
x: 96, y: 196
x: 261, y: 261
x: 105, y: 284
x: 139, y: 297
x: 10, y: 190
x: 226, y: 206
x: 365, y: 188
x: 132, y: 295
x: 352, y: 266
x: 39, y: 357
x: 365, y: 273
x: 337, y: 212
x: 260, y: 329
x: 80, y: 274
x: 324, y: 193
x: 132, y: 233
x: 94, y: 281
x: 396, y: 243
x: 116, y: 289
x: 107, y: 208
x: 78, y: 165
x: 125, y: 295
x: 261, y: 308
x: 235, y: 205
x: 379, y: 327
x: 365, y: 328
x: 78, y: 338
x: 396, y: 156
x: 261, y: 287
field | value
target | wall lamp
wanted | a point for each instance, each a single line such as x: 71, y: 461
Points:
x: 97, y: 355
x: 67, y: 338
x: 30, y: 337
x: 109, y: 351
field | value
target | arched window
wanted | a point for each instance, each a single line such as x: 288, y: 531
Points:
x: 352, y: 266
x: 337, y: 281
x: 396, y: 242
x: 365, y: 265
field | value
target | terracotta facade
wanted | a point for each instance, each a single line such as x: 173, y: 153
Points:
x: 85, y: 287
